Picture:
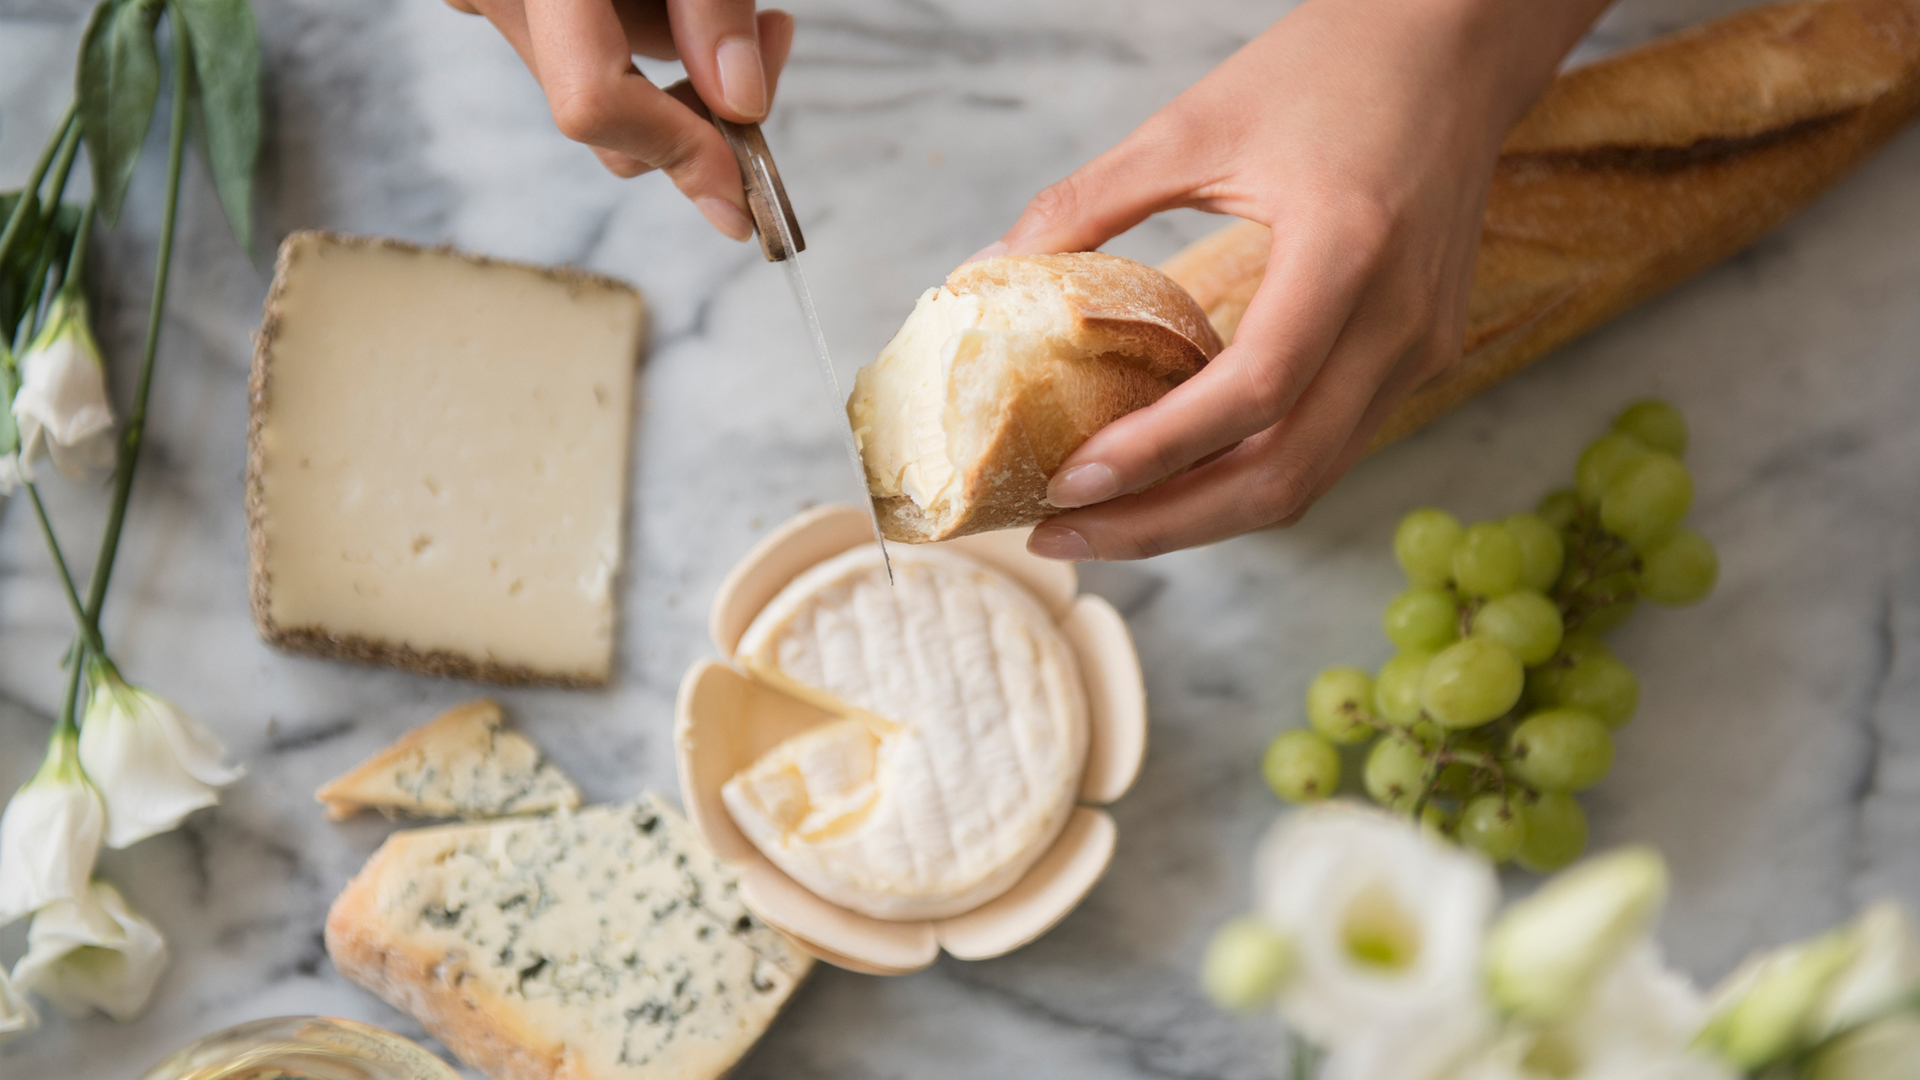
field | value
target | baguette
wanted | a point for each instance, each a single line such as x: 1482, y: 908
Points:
x: 1636, y: 172
x: 1001, y: 373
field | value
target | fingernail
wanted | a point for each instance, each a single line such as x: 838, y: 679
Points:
x: 993, y: 250
x: 743, y: 82
x: 1083, y: 485
x: 726, y: 217
x: 1059, y: 542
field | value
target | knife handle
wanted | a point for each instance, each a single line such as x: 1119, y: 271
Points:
x: 766, y: 195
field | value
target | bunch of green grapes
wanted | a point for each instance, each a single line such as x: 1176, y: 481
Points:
x: 1502, y: 700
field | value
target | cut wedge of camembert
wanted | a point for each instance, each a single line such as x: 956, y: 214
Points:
x: 462, y: 764
x: 961, y: 735
x: 600, y: 944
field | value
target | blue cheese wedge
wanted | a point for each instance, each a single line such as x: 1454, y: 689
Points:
x: 602, y: 944
x: 464, y: 763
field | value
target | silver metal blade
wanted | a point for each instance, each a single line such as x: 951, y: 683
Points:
x: 797, y: 281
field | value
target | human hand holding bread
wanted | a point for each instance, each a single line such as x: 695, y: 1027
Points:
x: 1405, y: 246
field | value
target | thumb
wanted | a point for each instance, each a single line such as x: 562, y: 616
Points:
x: 1100, y: 200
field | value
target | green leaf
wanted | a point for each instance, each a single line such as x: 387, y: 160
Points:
x: 118, y: 82
x: 16, y: 269
x: 226, y: 61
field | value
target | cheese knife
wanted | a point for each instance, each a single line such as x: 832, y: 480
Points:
x: 781, y: 242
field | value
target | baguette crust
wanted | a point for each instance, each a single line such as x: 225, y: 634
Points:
x: 1634, y: 173
x: 1128, y: 335
x: 354, y: 648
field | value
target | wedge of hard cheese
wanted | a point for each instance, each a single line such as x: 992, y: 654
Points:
x: 462, y: 764
x: 602, y: 944
x: 437, y: 460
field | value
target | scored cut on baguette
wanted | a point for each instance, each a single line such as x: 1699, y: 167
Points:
x: 1632, y: 174
x: 1002, y: 372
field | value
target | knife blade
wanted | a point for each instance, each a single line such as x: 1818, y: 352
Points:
x: 782, y: 242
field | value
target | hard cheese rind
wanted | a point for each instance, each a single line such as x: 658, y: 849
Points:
x: 437, y: 460
x: 959, y: 751
x: 464, y: 763
x: 605, y: 944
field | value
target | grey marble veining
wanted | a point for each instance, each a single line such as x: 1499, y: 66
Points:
x: 1776, y: 760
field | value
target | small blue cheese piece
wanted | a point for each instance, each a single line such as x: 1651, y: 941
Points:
x: 601, y: 944
x: 462, y: 764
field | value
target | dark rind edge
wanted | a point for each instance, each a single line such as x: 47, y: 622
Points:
x: 314, y: 640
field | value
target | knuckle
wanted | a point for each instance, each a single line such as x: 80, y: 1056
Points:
x: 585, y: 114
x: 1287, y: 487
x: 1269, y: 388
x: 1058, y: 204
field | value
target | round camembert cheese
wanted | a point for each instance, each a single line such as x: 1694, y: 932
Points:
x: 961, y: 733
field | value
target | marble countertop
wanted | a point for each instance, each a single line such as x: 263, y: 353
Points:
x: 1776, y: 760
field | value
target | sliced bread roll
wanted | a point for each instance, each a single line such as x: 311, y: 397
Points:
x: 1631, y: 174
x: 1002, y: 372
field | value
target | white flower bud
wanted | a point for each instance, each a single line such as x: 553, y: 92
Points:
x: 152, y: 762
x: 50, y: 833
x: 92, y: 953
x: 16, y: 1015
x: 62, y: 405
x: 1547, y: 952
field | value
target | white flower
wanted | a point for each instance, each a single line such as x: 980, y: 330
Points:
x: 1387, y: 926
x: 50, y: 833
x: 1780, y: 1003
x: 153, y: 763
x: 10, y: 476
x: 62, y: 404
x: 16, y: 1015
x: 1883, y: 1050
x: 1634, y: 1022
x: 92, y: 953
x: 1548, y: 951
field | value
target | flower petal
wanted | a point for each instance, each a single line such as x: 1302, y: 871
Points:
x: 49, y: 835
x: 127, y: 753
x: 92, y: 953
x: 199, y: 751
x: 16, y: 1014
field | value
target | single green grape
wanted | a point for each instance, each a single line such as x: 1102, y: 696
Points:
x: 1394, y: 771
x: 1611, y: 615
x: 1655, y: 423
x: 1601, y: 685
x: 1600, y: 460
x: 1492, y: 827
x: 1396, y: 689
x: 1680, y: 570
x: 1541, y: 550
x: 1524, y: 621
x: 1646, y: 499
x: 1556, y: 832
x: 1301, y: 766
x: 1424, y: 545
x: 1422, y: 618
x: 1435, y: 821
x: 1487, y: 560
x: 1559, y: 508
x: 1560, y: 750
x: 1456, y: 781
x: 1338, y: 702
x: 1245, y: 963
x: 1471, y: 682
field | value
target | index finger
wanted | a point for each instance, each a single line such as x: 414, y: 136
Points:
x: 1292, y: 323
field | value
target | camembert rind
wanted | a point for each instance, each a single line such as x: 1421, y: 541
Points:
x: 437, y: 454
x: 959, y: 751
x: 601, y: 944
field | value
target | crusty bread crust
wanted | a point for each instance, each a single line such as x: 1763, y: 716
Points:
x: 1636, y: 172
x: 1135, y: 335
x: 317, y: 640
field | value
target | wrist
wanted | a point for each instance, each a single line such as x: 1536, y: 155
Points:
x: 1510, y: 48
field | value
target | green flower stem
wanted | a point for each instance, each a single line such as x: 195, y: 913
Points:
x: 69, y: 709
x: 129, y: 456
x: 88, y: 629
x: 77, y: 255
x: 43, y: 264
x: 28, y: 194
